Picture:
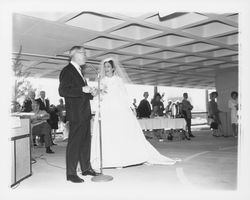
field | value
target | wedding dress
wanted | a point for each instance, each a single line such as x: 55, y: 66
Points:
x: 123, y: 141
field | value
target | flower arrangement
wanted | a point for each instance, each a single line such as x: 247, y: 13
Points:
x: 21, y: 85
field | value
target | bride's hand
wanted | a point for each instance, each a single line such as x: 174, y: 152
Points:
x: 102, y: 90
x: 94, y: 92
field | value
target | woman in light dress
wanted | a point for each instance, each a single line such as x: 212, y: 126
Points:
x: 123, y: 141
x: 233, y: 105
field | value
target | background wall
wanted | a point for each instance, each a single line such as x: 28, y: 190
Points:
x: 226, y: 81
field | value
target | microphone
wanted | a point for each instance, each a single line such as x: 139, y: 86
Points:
x: 98, y: 78
x: 92, y: 67
x: 101, y: 177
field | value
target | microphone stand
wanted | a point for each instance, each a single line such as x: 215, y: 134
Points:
x: 100, y: 177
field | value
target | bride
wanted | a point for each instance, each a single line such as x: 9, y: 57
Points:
x: 123, y: 142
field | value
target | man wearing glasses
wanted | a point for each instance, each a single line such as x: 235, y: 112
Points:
x: 73, y: 87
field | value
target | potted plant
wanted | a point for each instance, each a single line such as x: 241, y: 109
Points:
x: 21, y: 85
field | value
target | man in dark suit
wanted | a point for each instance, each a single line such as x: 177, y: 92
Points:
x: 73, y: 87
x: 44, y: 103
x: 186, y: 110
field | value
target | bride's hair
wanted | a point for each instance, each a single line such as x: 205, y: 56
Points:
x: 111, y: 62
x: 118, y: 69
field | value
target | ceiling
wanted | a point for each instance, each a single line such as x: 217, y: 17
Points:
x: 168, y: 49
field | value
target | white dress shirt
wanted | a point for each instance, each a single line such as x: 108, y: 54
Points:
x: 85, y: 89
x: 78, y: 68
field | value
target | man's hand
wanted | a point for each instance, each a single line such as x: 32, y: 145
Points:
x: 87, y: 89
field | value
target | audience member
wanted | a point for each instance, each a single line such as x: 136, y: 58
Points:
x: 44, y: 102
x: 53, y: 120
x: 61, y: 111
x: 186, y: 110
x: 233, y: 105
x: 156, y: 101
x: 27, y: 104
x: 62, y: 116
x: 39, y: 125
x: 213, y: 114
x: 180, y: 110
x: 173, y: 110
x: 16, y: 107
x: 144, y: 108
x: 44, y: 105
x: 134, y: 108
x: 168, y: 108
x: 177, y: 106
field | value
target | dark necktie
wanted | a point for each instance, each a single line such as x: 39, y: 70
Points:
x: 82, y: 72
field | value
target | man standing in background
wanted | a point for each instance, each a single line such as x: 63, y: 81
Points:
x: 43, y: 101
x: 186, y: 109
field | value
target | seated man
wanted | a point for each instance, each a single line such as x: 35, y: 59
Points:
x: 40, y: 126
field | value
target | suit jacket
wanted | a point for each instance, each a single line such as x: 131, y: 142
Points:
x: 144, y: 109
x: 27, y: 106
x: 42, y: 106
x: 187, y: 107
x: 77, y: 103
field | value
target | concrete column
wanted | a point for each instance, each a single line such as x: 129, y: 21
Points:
x: 226, y: 81
x: 155, y: 89
x: 206, y: 100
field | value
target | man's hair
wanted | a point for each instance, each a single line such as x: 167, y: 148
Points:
x: 215, y: 94
x: 31, y: 92
x: 157, y: 95
x: 37, y: 102
x: 234, y: 93
x: 73, y: 50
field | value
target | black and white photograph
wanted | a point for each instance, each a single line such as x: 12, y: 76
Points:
x: 125, y: 99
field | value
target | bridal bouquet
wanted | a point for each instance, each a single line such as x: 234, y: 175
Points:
x: 101, y: 91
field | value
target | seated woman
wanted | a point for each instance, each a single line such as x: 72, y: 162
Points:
x: 40, y: 126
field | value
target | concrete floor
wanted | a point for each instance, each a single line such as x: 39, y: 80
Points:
x: 209, y: 164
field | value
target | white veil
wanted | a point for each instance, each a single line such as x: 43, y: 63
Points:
x: 119, y: 70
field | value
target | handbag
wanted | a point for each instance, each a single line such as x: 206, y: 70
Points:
x: 214, y: 125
